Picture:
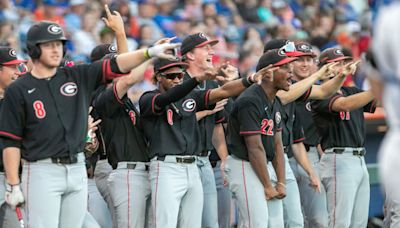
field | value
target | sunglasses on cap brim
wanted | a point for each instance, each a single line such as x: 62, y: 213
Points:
x: 289, y: 47
x: 172, y: 76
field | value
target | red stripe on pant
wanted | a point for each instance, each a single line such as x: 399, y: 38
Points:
x: 245, y: 192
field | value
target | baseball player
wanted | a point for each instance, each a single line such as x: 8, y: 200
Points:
x: 9, y: 71
x: 254, y: 134
x: 306, y: 158
x: 386, y: 85
x: 340, y: 123
x: 45, y: 123
x: 169, y: 120
x: 197, y: 53
x: 128, y: 183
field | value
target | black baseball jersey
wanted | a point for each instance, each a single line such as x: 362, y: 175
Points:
x: 340, y: 129
x: 174, y: 129
x: 124, y: 139
x: 253, y: 114
x: 206, y: 125
x: 304, y: 113
x: 48, y: 117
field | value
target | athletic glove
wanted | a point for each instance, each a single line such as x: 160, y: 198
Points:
x: 14, y: 195
x: 163, y: 51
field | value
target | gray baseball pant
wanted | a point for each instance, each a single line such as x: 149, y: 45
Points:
x: 224, y: 199
x: 254, y: 210
x: 97, y: 206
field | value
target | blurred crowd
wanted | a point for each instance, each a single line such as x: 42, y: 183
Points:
x: 241, y: 26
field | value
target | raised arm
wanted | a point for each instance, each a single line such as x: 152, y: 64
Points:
x: 136, y: 75
x: 350, y: 103
x: 114, y: 22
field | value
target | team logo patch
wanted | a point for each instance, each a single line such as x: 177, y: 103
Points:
x: 12, y: 53
x: 112, y: 48
x: 338, y: 52
x: 69, y: 89
x: 189, y: 105
x: 201, y: 35
x: 308, y: 106
x: 278, y: 117
x: 54, y: 29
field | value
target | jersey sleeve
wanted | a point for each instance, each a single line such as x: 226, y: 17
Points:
x: 220, y: 117
x: 371, y: 106
x: 325, y: 106
x: 249, y: 118
x: 146, y: 104
x: 107, y: 102
x: 12, y: 116
x: 305, y: 95
x: 202, y: 98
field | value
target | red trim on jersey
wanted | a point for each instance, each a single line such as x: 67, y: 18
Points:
x: 249, y: 132
x: 220, y: 120
x: 15, y: 137
x: 116, y: 93
x: 245, y: 193
x: 333, y: 99
x: 103, y: 66
x: 207, y: 97
x: 298, y: 140
x: 129, y: 199
x: 308, y: 93
x: 279, y: 129
x: 155, y: 198
x: 107, y: 72
x: 152, y: 103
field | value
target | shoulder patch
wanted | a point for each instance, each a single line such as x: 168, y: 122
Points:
x: 69, y: 89
x: 189, y: 105
x: 278, y: 117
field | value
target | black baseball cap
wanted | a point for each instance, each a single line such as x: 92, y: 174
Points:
x: 302, y: 49
x: 332, y: 55
x: 102, y: 50
x: 163, y: 64
x: 275, y: 58
x: 194, y: 41
x: 275, y: 44
x: 8, y: 56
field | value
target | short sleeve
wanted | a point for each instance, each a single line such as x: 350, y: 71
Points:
x: 107, y: 102
x: 220, y: 117
x: 202, y: 98
x: 12, y: 115
x: 146, y: 104
x: 325, y: 106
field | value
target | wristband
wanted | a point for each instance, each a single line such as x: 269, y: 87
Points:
x: 146, y: 54
x: 247, y: 81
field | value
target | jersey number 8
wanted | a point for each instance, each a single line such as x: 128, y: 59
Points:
x: 39, y: 109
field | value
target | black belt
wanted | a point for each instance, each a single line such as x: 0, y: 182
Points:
x: 354, y: 152
x: 133, y: 166
x: 65, y: 160
x: 204, y: 153
x: 185, y: 160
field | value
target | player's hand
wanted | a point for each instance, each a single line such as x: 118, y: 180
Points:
x: 209, y: 74
x: 219, y: 106
x: 163, y: 51
x: 270, y: 192
x: 315, y: 183
x: 328, y: 71
x: 227, y: 73
x: 165, y: 40
x: 350, y: 68
x: 14, y: 195
x: 222, y: 167
x: 281, y: 189
x: 113, y: 20
x: 265, y: 73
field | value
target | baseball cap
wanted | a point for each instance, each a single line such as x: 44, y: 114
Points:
x: 332, y: 55
x: 102, y: 50
x: 194, y: 41
x: 302, y: 49
x: 8, y: 56
x: 275, y: 57
x: 162, y: 64
x: 275, y: 44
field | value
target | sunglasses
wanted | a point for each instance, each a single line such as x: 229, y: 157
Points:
x: 289, y: 47
x: 172, y: 76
